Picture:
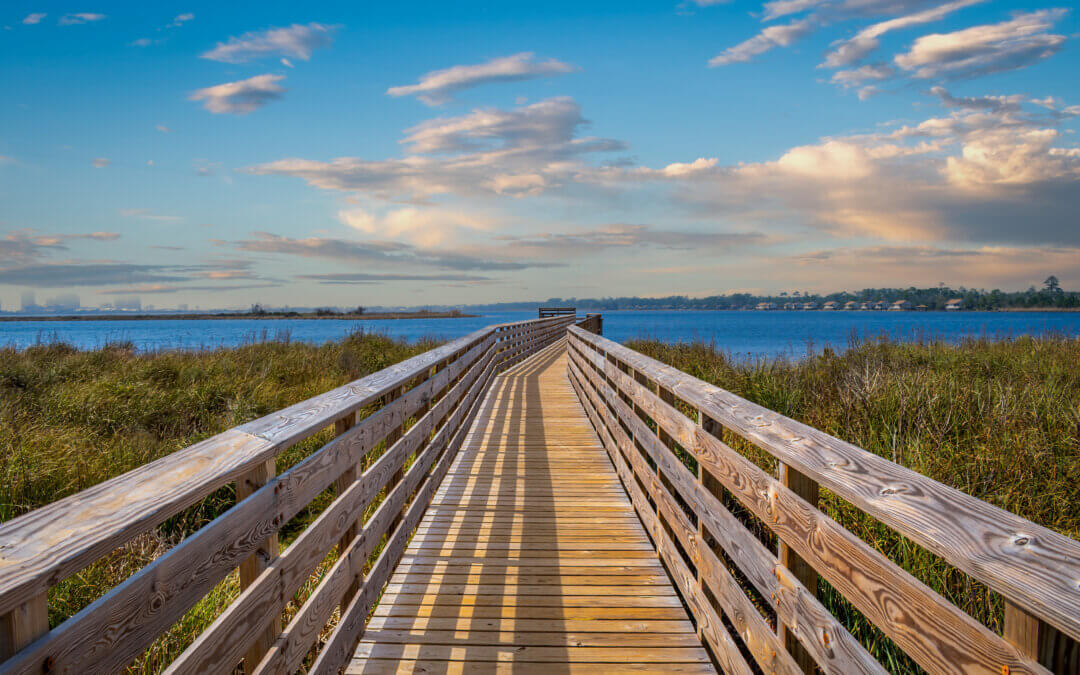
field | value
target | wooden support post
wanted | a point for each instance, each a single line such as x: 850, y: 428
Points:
x: 1041, y: 641
x: 806, y: 488
x: 342, y: 484
x: 23, y: 625
x: 392, y: 438
x: 251, y: 568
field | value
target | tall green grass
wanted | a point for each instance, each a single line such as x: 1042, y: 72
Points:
x: 70, y: 419
x: 999, y: 420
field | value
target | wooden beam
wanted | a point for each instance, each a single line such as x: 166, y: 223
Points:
x: 799, y: 568
x: 267, y: 552
x: 341, y: 485
x: 22, y: 625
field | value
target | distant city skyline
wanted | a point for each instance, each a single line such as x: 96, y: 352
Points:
x: 347, y: 154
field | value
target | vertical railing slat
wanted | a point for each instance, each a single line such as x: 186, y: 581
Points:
x: 251, y: 568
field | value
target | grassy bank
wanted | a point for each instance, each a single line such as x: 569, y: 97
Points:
x: 998, y: 420
x: 70, y: 419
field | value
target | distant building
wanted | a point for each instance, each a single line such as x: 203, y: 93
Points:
x: 831, y: 305
x: 921, y: 308
x: 790, y: 305
x: 766, y: 305
x: 901, y: 306
x: 881, y: 305
x: 866, y: 306
x: 851, y: 305
x: 954, y: 305
x: 809, y: 305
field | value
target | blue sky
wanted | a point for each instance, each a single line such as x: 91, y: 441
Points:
x: 363, y: 153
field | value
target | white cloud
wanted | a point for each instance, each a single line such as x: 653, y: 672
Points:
x: 518, y: 152
x: 439, y: 86
x: 847, y: 52
x: 1004, y: 157
x: 990, y: 48
x: 101, y: 162
x: 779, y: 8
x: 428, y: 226
x: 773, y: 36
x: 286, y: 62
x: 34, y: 18
x: 991, y: 103
x: 142, y: 42
x: 81, y: 17
x: 240, y: 97
x: 181, y: 19
x: 856, y: 77
x: 297, y: 41
x: 163, y: 129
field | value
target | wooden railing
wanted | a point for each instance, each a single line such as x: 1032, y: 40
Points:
x: 648, y: 414
x: 422, y: 408
x: 594, y: 323
x: 548, y: 312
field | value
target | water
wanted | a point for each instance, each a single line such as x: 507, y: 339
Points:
x: 743, y: 333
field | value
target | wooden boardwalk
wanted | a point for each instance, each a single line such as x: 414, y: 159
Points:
x: 530, y: 557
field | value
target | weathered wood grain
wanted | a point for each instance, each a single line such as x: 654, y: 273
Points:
x: 839, y: 652
x: 757, y: 635
x: 337, y: 651
x: 1033, y: 566
x: 934, y: 632
x: 23, y: 625
x: 257, y: 563
x: 154, y: 598
x: 295, y: 642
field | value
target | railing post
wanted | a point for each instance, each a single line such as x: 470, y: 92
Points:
x: 392, y: 438
x: 342, y: 484
x: 806, y: 488
x: 23, y: 625
x: 257, y: 563
x: 1039, y: 640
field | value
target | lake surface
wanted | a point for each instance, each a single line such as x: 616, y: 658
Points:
x: 743, y: 333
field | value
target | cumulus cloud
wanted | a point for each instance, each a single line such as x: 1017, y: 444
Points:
x: 240, y: 97
x: 980, y: 50
x: 773, y: 36
x: 296, y: 41
x: 439, y: 86
x: 425, y: 226
x: 524, y: 151
x: 79, y: 18
x: 34, y: 18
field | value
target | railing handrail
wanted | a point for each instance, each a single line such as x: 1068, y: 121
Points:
x: 1034, y: 567
x: 41, y: 548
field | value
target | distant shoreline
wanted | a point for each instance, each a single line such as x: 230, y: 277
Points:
x: 373, y: 316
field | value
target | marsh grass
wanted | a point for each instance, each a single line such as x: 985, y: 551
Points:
x: 70, y: 419
x: 997, y: 419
